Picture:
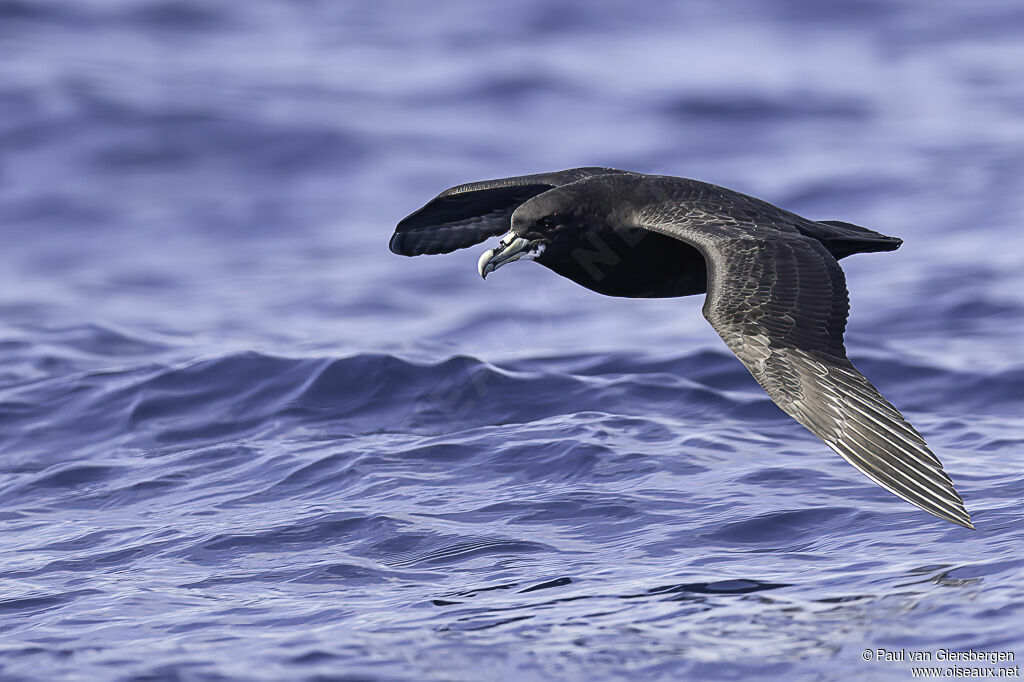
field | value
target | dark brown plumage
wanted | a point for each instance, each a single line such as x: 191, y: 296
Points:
x: 776, y: 293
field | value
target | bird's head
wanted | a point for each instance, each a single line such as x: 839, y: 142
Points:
x: 544, y: 229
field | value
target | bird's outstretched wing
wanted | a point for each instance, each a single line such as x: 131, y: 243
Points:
x: 468, y: 214
x: 779, y: 301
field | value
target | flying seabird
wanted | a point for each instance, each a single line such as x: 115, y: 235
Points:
x: 775, y: 291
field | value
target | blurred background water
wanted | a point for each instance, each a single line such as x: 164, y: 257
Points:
x: 239, y: 439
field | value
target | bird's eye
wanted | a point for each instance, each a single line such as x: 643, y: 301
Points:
x: 547, y: 221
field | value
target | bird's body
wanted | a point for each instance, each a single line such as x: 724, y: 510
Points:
x: 776, y: 293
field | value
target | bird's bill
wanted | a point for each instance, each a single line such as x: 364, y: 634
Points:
x: 511, y: 248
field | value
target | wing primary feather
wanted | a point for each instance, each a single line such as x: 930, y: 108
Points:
x: 950, y: 512
x: 912, y: 476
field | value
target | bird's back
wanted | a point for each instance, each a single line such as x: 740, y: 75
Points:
x: 840, y: 238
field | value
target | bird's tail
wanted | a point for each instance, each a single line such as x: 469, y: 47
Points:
x: 843, y: 239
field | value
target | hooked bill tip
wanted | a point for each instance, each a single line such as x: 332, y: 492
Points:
x: 484, y: 265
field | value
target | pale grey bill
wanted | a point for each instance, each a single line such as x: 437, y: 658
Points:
x: 511, y: 248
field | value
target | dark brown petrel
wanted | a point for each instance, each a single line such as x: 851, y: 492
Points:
x: 775, y: 291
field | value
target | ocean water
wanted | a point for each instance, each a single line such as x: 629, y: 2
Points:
x: 240, y: 440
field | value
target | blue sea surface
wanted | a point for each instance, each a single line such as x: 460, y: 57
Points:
x: 241, y: 440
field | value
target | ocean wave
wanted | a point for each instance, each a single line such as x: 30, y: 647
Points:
x: 358, y: 473
x: 213, y: 399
